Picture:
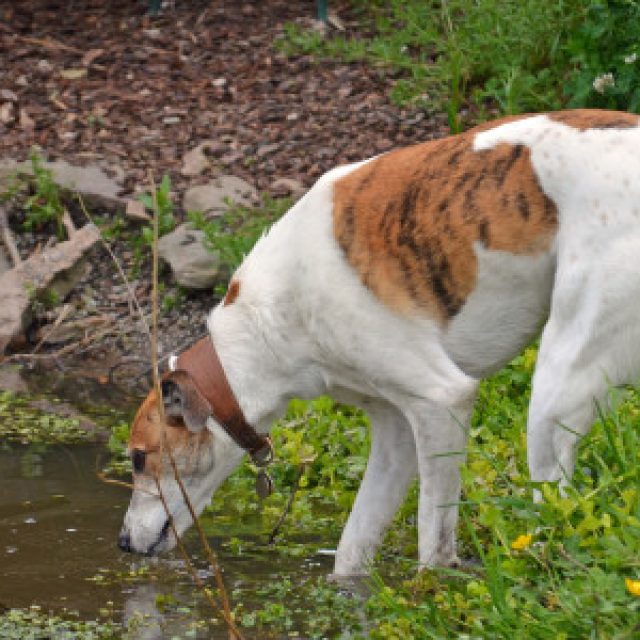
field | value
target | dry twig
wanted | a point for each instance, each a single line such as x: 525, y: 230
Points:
x: 213, y: 561
x: 7, y: 238
x: 133, y: 301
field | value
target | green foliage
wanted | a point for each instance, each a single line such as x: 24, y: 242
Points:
x: 511, y: 53
x: 161, y: 201
x: 606, y: 54
x: 117, y: 445
x: 565, y: 577
x: 20, y: 422
x: 32, y: 624
x: 516, y: 55
x: 233, y: 234
x: 287, y: 608
x: 45, y: 204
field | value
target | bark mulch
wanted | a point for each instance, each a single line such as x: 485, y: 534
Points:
x: 100, y: 82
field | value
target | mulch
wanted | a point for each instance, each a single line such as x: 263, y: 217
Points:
x: 101, y: 82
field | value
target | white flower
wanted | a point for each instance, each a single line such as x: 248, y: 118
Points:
x: 631, y: 58
x: 604, y: 81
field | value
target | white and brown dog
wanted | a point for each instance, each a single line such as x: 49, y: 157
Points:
x: 396, y: 284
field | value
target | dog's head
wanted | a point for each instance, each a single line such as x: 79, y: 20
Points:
x: 204, y: 454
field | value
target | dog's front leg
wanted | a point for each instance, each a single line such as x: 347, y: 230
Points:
x: 390, y: 469
x: 440, y: 435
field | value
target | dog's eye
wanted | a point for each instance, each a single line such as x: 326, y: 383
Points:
x: 138, y: 458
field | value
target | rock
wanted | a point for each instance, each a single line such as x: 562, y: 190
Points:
x: 7, y: 112
x: 192, y: 265
x: 8, y: 95
x: 287, y: 187
x: 96, y: 187
x: 212, y: 198
x: 195, y: 162
x: 58, y: 267
x: 11, y: 380
x: 136, y: 211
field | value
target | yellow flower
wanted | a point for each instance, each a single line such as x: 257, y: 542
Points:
x: 633, y: 586
x: 522, y: 542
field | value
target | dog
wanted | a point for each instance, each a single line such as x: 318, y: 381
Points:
x: 396, y: 284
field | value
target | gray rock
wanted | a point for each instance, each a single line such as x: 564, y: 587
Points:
x: 193, y: 266
x: 196, y: 161
x: 212, y: 198
x: 95, y: 186
x: 287, y: 187
x: 11, y: 380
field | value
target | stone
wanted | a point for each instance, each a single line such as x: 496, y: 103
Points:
x: 96, y: 187
x: 7, y: 112
x: 57, y: 268
x: 11, y: 380
x: 196, y: 161
x: 287, y: 187
x: 193, y: 266
x: 213, y: 198
x: 136, y: 211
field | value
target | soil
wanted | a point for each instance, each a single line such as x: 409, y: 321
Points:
x: 101, y: 82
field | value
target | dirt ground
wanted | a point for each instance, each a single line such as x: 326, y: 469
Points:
x: 101, y: 82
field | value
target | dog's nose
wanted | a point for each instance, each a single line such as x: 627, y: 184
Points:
x: 124, y: 541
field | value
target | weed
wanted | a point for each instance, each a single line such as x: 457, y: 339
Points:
x: 510, y: 54
x: 45, y: 204
x: 172, y: 299
x: 233, y: 234
x: 605, y: 53
x: 22, y: 423
x: 166, y: 219
x: 32, y: 623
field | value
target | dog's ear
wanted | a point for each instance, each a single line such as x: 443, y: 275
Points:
x: 182, y: 399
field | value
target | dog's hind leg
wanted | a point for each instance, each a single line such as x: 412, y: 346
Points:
x: 441, y: 437
x: 591, y: 342
x: 390, y: 469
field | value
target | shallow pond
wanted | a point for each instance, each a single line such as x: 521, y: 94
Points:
x: 58, y: 529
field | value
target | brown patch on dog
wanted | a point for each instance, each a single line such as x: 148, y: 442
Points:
x: 583, y: 119
x: 232, y: 293
x: 407, y: 221
x: 146, y: 435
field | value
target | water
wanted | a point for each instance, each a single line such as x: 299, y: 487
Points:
x: 59, y: 524
x: 57, y: 528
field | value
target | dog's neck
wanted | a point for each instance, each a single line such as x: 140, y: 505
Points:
x: 262, y: 343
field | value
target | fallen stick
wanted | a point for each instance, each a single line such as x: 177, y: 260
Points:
x: 7, y: 238
x: 54, y: 45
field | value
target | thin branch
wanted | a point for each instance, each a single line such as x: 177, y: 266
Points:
x: 54, y: 45
x: 154, y: 297
x: 68, y: 224
x: 233, y: 629
x: 133, y: 300
x: 64, y: 312
x: 226, y: 608
x: 287, y: 509
x: 7, y: 238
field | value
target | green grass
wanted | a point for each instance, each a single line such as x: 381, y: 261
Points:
x: 491, y: 56
x: 567, y: 582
